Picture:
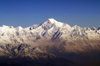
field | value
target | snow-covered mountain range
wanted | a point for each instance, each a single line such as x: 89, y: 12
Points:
x: 48, y: 30
x: 50, y: 40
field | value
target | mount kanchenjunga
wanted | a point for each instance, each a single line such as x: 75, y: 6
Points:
x: 49, y: 30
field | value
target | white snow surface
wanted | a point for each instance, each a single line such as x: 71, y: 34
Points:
x: 49, y: 30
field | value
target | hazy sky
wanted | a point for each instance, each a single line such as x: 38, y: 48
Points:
x: 29, y: 12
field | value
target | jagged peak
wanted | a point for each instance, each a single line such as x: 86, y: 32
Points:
x: 93, y: 28
x: 6, y: 27
x: 98, y: 28
x: 76, y: 26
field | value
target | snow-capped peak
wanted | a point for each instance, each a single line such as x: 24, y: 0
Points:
x: 57, y: 23
x: 53, y: 23
x: 52, y: 20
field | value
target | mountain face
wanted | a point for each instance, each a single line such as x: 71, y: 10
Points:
x: 50, y: 39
